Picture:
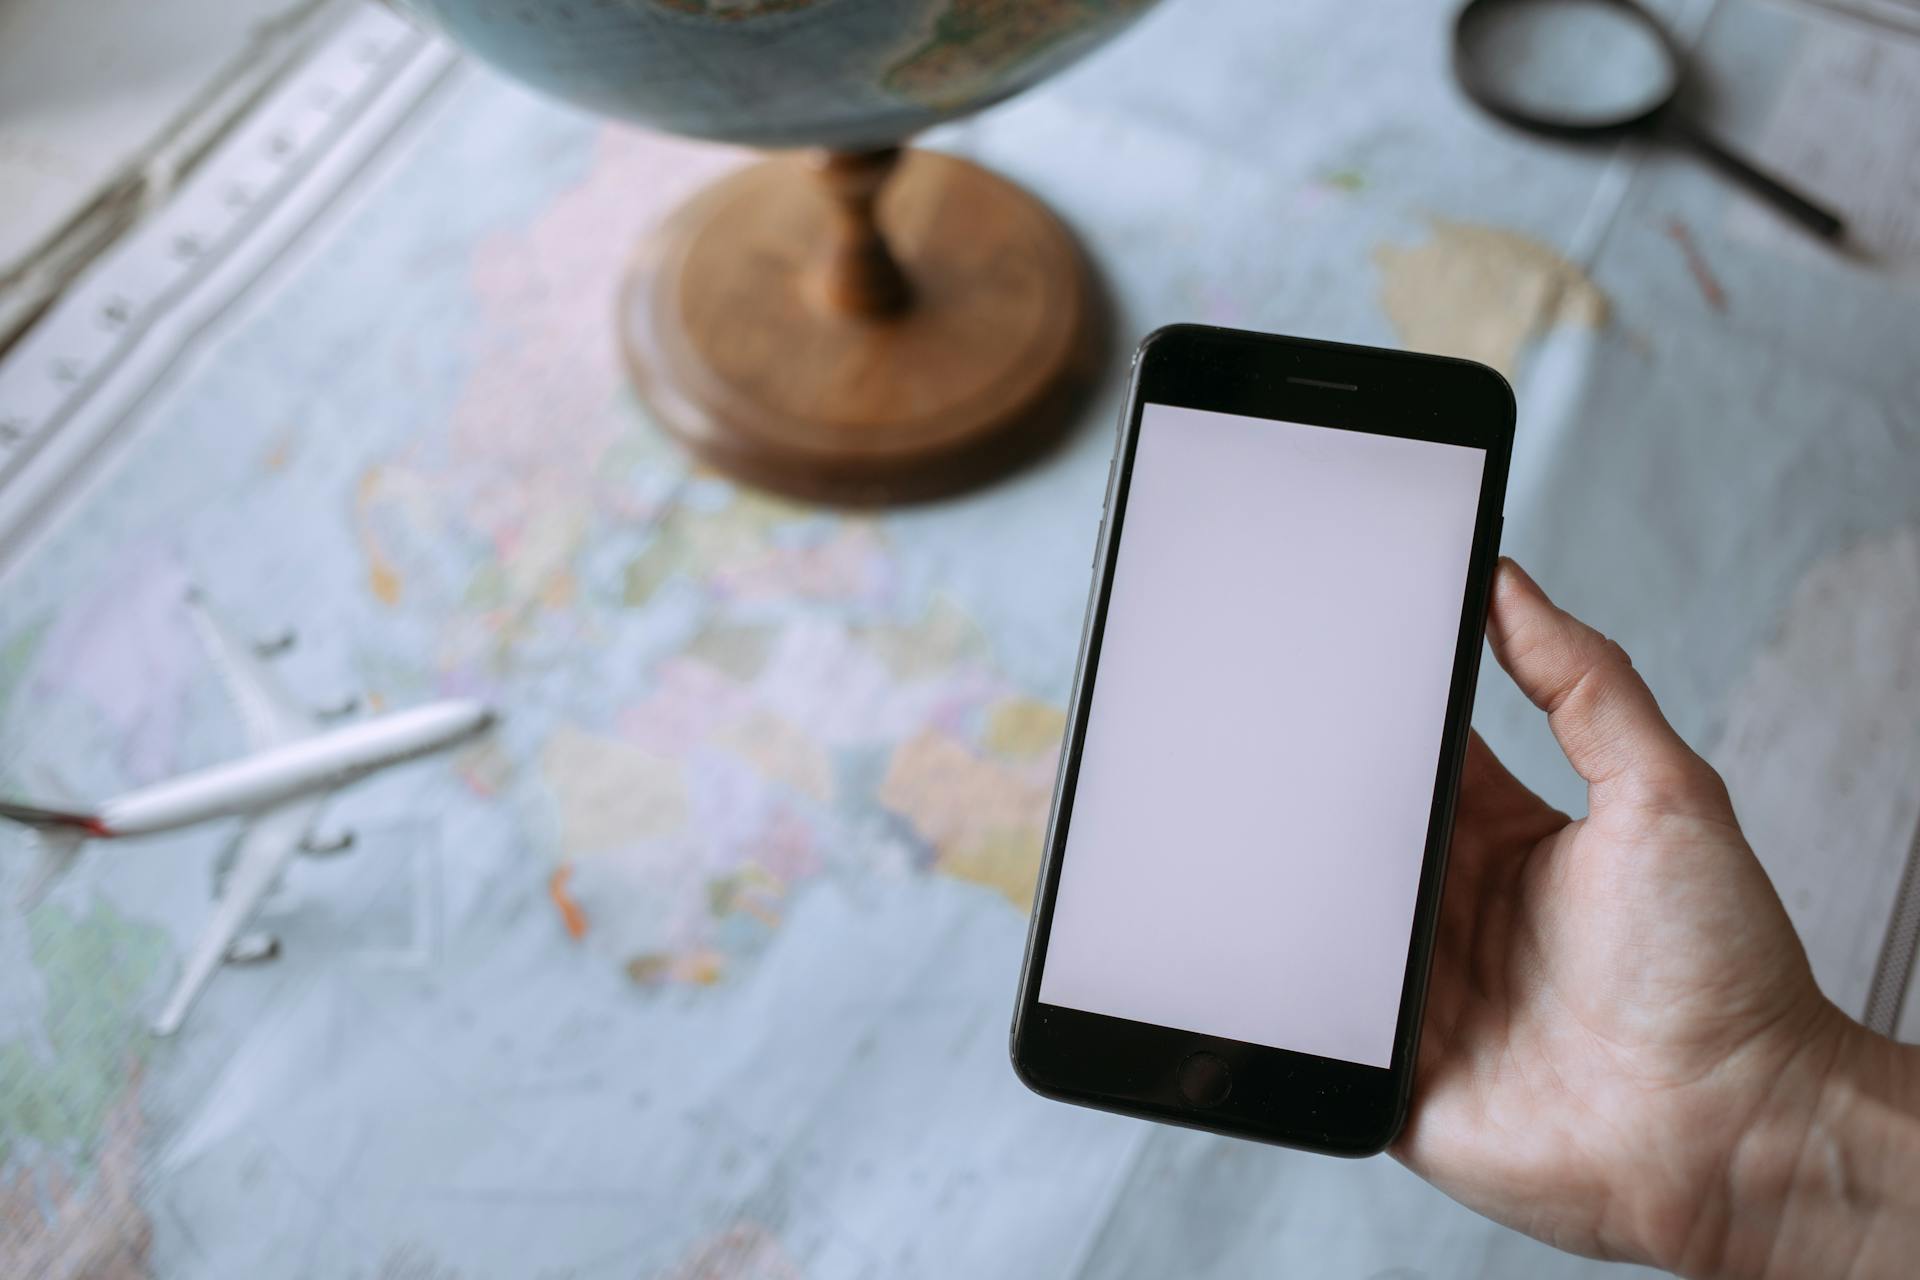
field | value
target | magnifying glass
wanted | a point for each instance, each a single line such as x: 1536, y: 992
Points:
x: 1590, y: 68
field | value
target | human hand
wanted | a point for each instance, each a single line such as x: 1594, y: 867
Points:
x: 1625, y: 1053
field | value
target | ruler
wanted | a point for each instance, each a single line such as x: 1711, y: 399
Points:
x: 68, y: 384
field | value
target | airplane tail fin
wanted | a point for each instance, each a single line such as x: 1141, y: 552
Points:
x: 32, y: 815
x: 57, y: 848
x: 58, y: 834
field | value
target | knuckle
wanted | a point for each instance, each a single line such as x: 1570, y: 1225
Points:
x: 1679, y: 783
x: 1592, y: 670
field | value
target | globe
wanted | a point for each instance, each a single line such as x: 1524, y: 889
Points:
x: 849, y: 74
x: 851, y: 322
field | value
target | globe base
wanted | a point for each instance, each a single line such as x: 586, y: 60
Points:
x: 754, y: 342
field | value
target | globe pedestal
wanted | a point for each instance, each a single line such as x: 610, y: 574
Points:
x: 861, y: 328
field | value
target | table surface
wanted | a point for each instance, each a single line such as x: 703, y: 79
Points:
x: 795, y: 764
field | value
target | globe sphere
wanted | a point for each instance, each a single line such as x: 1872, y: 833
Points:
x: 846, y: 74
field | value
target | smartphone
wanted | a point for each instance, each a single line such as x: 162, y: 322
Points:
x: 1236, y: 909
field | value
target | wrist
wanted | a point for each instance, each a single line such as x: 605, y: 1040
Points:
x: 1825, y: 1181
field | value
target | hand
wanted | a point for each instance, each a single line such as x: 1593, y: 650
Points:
x: 1625, y: 1053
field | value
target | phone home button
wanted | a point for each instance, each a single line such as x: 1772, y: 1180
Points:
x: 1205, y: 1080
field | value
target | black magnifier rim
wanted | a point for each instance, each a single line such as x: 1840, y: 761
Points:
x: 1485, y: 89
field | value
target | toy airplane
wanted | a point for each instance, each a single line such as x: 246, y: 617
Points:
x: 281, y: 790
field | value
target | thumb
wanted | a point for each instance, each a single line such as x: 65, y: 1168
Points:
x: 1602, y: 713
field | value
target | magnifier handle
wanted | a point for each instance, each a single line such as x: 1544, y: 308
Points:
x: 1814, y: 217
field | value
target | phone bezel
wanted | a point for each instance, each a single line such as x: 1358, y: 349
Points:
x: 1278, y: 1095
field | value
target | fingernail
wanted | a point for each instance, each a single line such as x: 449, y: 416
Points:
x: 1513, y: 566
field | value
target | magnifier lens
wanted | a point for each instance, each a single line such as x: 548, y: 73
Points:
x: 1570, y: 63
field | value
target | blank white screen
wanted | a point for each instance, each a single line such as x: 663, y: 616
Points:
x: 1251, y: 812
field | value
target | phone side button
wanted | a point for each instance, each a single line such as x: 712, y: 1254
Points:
x: 1205, y: 1080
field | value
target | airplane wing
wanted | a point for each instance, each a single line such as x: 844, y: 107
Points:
x: 269, y: 843
x: 267, y: 711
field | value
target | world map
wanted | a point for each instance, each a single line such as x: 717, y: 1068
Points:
x: 702, y: 965
x: 713, y: 699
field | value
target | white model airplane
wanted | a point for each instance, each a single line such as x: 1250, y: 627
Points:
x: 280, y: 789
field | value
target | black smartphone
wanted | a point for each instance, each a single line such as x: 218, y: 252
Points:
x: 1236, y: 911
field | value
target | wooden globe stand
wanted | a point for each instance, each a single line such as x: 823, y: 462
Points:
x: 861, y: 328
